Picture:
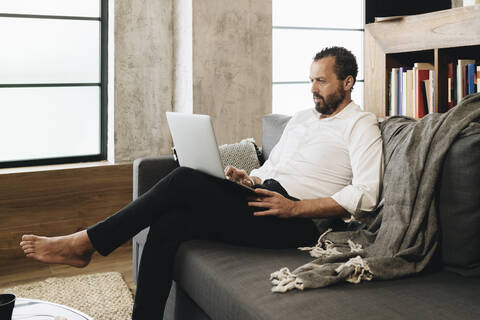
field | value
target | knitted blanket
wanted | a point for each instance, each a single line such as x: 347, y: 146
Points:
x: 401, y: 237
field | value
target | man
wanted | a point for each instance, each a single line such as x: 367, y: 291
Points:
x: 330, y: 158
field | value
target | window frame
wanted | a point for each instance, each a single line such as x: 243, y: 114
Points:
x: 287, y: 27
x: 103, y: 85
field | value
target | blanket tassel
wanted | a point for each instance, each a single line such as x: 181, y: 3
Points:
x: 283, y: 281
x: 361, y: 270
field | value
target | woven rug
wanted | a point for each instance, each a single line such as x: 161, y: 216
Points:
x: 103, y: 296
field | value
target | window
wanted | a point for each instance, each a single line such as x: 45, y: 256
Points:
x: 53, y: 81
x: 300, y: 30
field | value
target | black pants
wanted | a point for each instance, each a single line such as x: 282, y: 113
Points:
x: 184, y: 205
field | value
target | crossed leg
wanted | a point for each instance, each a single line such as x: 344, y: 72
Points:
x: 184, y: 205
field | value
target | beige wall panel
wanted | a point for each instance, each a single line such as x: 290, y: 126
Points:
x: 232, y: 65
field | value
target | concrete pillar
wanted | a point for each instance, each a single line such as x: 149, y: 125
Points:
x: 231, y: 64
x: 143, y: 78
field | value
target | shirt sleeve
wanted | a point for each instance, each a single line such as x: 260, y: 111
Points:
x: 366, y: 157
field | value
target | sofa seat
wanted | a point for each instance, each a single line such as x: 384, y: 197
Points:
x: 231, y: 282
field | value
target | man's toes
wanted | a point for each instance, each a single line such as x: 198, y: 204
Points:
x: 27, y: 245
x: 28, y: 250
x: 28, y: 237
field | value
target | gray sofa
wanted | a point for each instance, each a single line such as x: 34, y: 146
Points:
x: 221, y: 281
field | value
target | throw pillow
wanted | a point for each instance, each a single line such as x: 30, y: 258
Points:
x: 241, y: 155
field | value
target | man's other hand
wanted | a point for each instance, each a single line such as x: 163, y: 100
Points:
x: 274, y: 203
x: 238, y: 175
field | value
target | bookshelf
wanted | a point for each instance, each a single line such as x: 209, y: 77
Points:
x: 439, y: 38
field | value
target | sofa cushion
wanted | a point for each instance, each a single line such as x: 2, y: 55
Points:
x: 273, y: 126
x: 231, y: 282
x: 241, y: 155
x: 459, y: 206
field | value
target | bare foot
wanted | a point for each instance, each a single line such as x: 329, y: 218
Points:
x: 74, y: 249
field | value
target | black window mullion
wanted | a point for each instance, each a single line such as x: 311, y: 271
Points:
x: 43, y: 16
x: 39, y: 85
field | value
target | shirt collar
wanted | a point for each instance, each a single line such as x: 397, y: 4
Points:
x: 348, y: 108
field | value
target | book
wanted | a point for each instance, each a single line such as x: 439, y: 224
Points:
x: 424, y: 66
x: 421, y: 75
x: 409, y: 95
x: 431, y: 91
x: 454, y: 89
x: 404, y: 93
x: 470, y: 78
x: 423, y: 104
x: 478, y: 78
x: 414, y: 92
x: 426, y: 95
x: 462, y: 77
x: 451, y: 86
x: 393, y: 92
x: 400, y: 91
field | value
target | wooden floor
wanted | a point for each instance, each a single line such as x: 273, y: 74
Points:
x: 25, y: 270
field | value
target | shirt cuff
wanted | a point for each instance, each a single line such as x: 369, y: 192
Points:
x: 257, y: 173
x: 349, y: 198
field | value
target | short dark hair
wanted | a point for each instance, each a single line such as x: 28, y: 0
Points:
x: 345, y: 62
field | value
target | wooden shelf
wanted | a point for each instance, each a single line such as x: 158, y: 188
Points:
x: 438, y: 37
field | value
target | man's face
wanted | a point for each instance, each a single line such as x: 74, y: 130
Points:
x: 328, y: 91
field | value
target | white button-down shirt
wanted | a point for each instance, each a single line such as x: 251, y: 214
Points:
x: 339, y: 157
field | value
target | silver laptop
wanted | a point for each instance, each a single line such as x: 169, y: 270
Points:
x: 195, y: 144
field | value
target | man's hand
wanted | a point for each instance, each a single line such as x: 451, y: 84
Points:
x: 238, y: 175
x: 276, y: 204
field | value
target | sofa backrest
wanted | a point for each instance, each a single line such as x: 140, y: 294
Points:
x: 273, y: 126
x: 458, y: 201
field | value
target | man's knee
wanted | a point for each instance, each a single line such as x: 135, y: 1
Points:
x: 182, y: 176
x: 183, y: 173
x: 175, y: 178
